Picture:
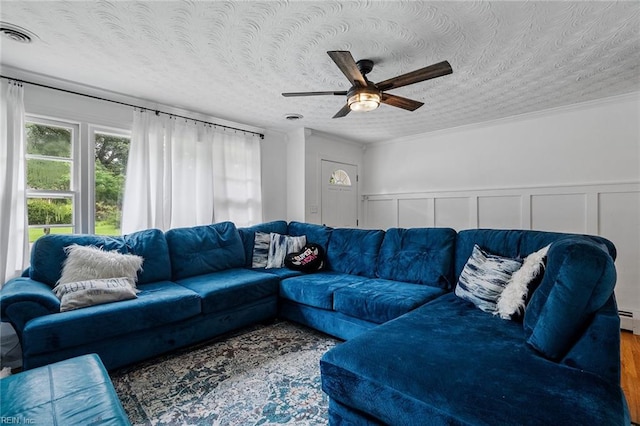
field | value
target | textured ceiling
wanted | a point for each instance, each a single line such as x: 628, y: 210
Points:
x: 232, y: 60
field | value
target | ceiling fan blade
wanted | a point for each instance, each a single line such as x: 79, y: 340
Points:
x: 287, y: 95
x: 426, y: 73
x: 400, y: 102
x: 348, y: 66
x: 344, y: 111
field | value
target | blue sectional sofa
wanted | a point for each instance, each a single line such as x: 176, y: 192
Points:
x: 415, y: 352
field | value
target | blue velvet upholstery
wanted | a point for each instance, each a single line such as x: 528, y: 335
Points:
x: 48, y: 256
x: 511, y: 243
x: 125, y: 349
x: 77, y: 391
x: 23, y: 299
x: 204, y: 249
x: 234, y: 287
x: 379, y: 300
x: 354, y: 251
x: 151, y: 244
x: 418, y: 255
x: 340, y: 415
x: 158, y: 303
x: 342, y: 326
x: 451, y: 364
x: 318, y: 234
x: 596, y: 350
x: 578, y: 280
x: 435, y: 359
x: 282, y: 273
x: 316, y: 289
x: 248, y: 235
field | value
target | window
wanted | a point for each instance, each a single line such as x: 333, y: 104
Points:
x: 340, y: 177
x: 75, y: 177
x: 111, y: 151
x: 51, y: 177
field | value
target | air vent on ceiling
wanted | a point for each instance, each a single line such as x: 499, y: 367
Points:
x: 16, y: 33
x: 293, y: 117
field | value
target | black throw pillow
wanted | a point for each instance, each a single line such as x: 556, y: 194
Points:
x: 309, y: 259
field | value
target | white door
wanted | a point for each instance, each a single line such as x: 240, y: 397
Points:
x: 339, y: 207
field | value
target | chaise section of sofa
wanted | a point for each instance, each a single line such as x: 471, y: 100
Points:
x: 448, y: 362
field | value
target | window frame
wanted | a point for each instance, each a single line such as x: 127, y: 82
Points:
x: 74, y: 181
x: 89, y: 156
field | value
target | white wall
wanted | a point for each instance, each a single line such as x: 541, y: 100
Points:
x: 573, y: 169
x: 273, y: 156
x: 320, y: 146
x: 295, y: 167
x: 589, y: 143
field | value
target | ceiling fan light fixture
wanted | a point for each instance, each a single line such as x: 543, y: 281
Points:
x: 364, y: 101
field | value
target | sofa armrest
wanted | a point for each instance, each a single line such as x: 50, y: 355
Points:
x: 23, y: 299
x: 598, y: 348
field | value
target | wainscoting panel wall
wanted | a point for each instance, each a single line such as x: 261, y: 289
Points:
x: 609, y: 210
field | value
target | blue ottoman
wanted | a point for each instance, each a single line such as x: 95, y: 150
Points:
x: 76, y: 391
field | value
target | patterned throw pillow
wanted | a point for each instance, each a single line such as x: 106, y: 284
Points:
x: 484, y: 277
x: 81, y: 294
x: 261, y: 243
x: 280, y: 246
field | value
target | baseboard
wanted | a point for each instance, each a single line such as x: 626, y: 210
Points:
x: 629, y: 322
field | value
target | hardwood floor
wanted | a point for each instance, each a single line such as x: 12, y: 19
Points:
x: 630, y: 358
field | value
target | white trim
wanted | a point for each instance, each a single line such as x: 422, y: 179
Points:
x: 515, y: 190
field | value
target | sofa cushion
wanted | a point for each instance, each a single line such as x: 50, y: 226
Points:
x: 248, y: 236
x: 453, y: 364
x: 224, y: 290
x: 379, y: 300
x: 204, y: 249
x: 354, y: 251
x: 280, y: 272
x: 418, y: 255
x: 318, y: 234
x: 151, y: 244
x: 579, y: 279
x: 158, y: 303
x: 316, y: 289
x: 512, y: 243
x: 48, y: 255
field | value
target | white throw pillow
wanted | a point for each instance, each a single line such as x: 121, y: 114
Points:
x: 280, y: 246
x: 89, y: 263
x: 81, y: 294
x: 513, y: 297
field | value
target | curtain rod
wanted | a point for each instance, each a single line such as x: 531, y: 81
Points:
x: 133, y: 106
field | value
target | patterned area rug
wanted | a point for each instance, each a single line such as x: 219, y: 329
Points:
x: 264, y: 375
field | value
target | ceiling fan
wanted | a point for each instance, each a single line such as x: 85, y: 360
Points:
x: 367, y: 96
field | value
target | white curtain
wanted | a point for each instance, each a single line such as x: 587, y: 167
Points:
x: 14, y: 234
x: 182, y: 173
